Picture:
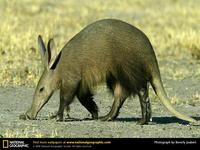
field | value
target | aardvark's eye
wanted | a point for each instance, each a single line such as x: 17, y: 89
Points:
x: 41, y: 89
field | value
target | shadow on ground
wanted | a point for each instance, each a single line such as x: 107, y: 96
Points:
x: 155, y: 120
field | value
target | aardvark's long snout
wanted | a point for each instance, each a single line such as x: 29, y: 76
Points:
x: 28, y: 115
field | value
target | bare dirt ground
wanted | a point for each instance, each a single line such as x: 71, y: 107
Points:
x: 15, y: 101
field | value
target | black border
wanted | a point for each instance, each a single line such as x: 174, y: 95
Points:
x: 90, y: 143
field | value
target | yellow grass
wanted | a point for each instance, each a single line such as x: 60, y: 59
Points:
x: 171, y: 25
x: 27, y: 133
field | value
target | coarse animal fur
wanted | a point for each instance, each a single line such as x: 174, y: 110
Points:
x: 107, y: 51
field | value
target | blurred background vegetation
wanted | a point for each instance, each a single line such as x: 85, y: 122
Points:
x: 173, y: 27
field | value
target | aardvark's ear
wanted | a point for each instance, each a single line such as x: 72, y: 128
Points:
x: 51, y: 52
x: 43, y: 51
x: 41, y: 46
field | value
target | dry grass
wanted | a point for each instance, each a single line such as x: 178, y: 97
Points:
x: 172, y: 26
x: 29, y: 132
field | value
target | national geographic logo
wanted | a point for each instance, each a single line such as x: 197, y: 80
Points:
x: 14, y: 144
x: 5, y: 144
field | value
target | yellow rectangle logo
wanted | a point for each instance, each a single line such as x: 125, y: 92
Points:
x: 5, y: 144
